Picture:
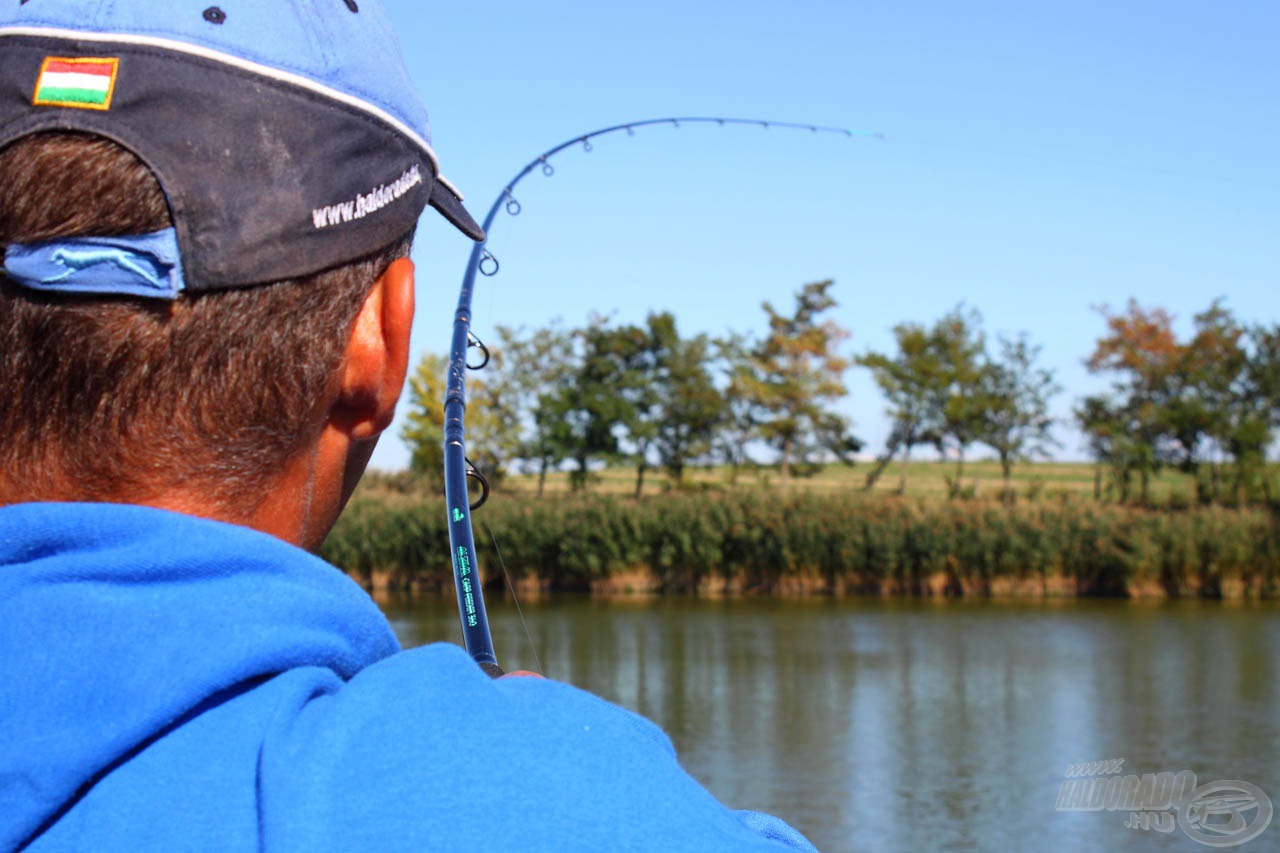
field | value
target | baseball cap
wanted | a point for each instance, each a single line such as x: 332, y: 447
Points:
x: 286, y: 136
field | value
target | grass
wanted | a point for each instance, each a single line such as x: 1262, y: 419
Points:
x: 922, y: 479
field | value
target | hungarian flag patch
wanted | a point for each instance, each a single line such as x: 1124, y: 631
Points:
x: 84, y: 83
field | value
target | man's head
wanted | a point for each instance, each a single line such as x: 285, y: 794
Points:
x: 206, y: 297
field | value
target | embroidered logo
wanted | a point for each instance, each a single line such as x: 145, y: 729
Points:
x: 86, y: 84
x: 364, y: 205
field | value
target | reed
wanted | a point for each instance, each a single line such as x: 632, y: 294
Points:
x: 779, y: 542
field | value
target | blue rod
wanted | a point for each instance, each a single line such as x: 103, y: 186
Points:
x: 466, y: 567
x: 462, y: 543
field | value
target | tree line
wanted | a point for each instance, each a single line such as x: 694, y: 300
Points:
x: 648, y: 396
x: 1208, y: 405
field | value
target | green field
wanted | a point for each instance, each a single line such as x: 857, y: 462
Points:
x: 982, y: 479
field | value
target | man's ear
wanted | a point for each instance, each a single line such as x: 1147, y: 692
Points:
x: 377, y: 356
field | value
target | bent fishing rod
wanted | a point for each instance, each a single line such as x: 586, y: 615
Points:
x: 457, y: 468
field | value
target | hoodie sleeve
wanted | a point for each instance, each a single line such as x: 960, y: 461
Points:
x: 423, y: 750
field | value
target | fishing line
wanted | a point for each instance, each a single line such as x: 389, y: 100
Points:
x: 475, y: 623
x: 515, y: 599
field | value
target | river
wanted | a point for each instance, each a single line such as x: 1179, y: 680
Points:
x: 921, y: 725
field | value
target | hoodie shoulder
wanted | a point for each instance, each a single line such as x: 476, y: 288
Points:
x: 422, y: 749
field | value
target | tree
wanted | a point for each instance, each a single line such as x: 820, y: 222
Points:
x: 1184, y: 404
x: 912, y: 381
x: 1262, y: 372
x: 1226, y: 390
x: 792, y: 376
x: 737, y: 427
x: 585, y: 409
x: 490, y: 423
x: 961, y: 405
x: 1018, y: 426
x: 423, y: 430
x: 1258, y: 409
x: 527, y: 364
x: 690, y: 406
x: 640, y: 376
x: 1129, y: 428
x: 937, y: 390
x: 1205, y: 402
x: 1116, y: 436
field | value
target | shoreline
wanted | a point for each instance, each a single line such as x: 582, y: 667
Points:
x: 796, y: 545
x: 643, y: 584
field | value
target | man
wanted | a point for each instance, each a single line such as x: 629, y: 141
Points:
x: 205, y: 308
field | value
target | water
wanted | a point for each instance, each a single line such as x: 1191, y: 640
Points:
x: 910, y: 725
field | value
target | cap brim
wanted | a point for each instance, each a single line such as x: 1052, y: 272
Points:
x: 450, y: 207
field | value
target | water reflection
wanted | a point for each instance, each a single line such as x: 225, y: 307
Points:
x: 903, y: 725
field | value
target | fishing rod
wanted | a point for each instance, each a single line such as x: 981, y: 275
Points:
x: 457, y: 468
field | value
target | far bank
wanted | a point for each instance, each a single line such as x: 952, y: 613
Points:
x: 781, y: 544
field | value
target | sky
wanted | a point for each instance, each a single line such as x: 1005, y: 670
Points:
x: 1040, y: 160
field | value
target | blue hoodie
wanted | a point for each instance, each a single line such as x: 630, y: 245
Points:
x: 172, y: 683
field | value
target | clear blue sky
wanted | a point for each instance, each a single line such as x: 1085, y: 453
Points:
x: 1041, y: 158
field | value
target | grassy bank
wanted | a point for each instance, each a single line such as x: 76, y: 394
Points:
x: 809, y: 542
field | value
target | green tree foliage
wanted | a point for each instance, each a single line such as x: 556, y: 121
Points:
x: 944, y: 389
x: 1261, y: 410
x: 1209, y: 405
x: 526, y: 365
x: 1186, y: 404
x: 1127, y: 428
x: 911, y: 380
x: 1017, y: 424
x: 1116, y: 438
x: 792, y: 377
x: 588, y: 408
x: 491, y: 421
x: 737, y: 427
x: 423, y: 430
x: 689, y: 407
x: 1203, y: 412
x: 641, y: 356
x: 961, y: 405
x: 1255, y: 412
x: 667, y: 404
x: 606, y: 393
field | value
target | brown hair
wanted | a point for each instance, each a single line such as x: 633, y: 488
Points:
x: 115, y: 398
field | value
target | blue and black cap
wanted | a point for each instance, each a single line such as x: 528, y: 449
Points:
x: 287, y: 136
